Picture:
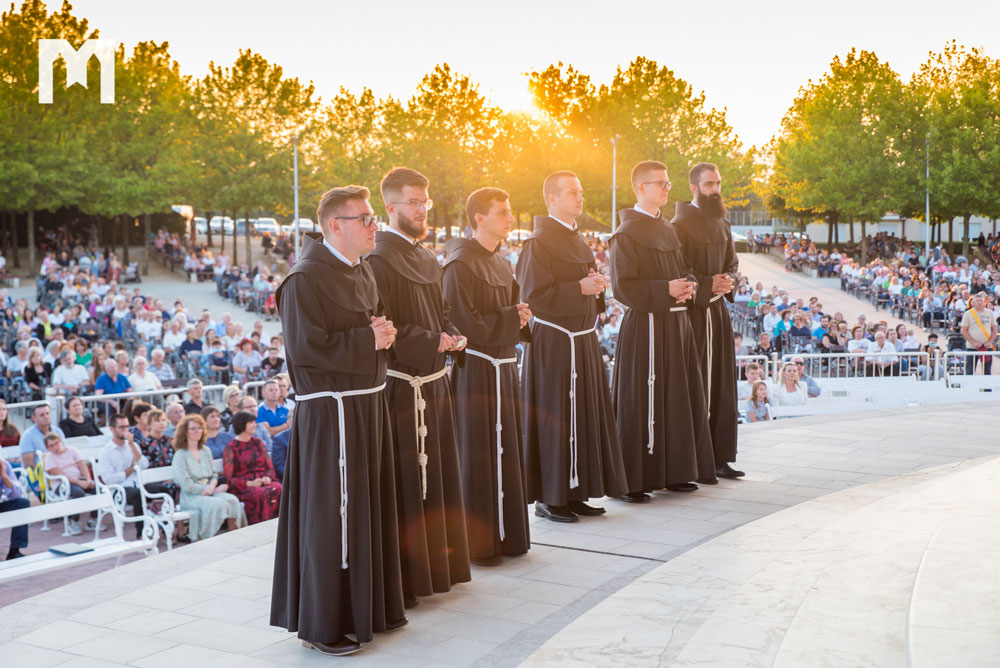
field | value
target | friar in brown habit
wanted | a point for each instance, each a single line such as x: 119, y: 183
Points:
x: 485, y: 304
x: 657, y: 389
x: 433, y: 545
x: 336, y: 562
x: 571, y: 450
x: 703, y: 229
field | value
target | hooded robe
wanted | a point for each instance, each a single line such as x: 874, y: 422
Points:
x: 645, y: 256
x: 433, y: 544
x: 480, y: 289
x: 709, y: 250
x: 553, y: 261
x: 325, y: 309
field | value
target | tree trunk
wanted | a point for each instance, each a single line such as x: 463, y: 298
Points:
x: 864, y: 242
x: 246, y: 237
x: 851, y: 223
x: 236, y: 260
x: 965, y: 234
x: 148, y: 245
x: 31, y: 241
x: 208, y: 229
x: 14, y: 241
x: 951, y: 234
x: 126, y: 229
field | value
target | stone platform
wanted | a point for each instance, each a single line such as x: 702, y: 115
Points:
x: 687, y: 579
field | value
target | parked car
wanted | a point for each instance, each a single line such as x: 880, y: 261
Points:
x: 200, y: 225
x: 221, y: 223
x: 456, y: 233
x: 304, y: 225
x: 518, y: 235
x: 266, y: 225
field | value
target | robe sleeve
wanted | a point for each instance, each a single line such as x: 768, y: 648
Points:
x: 414, y: 345
x: 310, y: 342
x: 493, y: 329
x: 703, y: 293
x: 731, y: 264
x: 515, y: 298
x: 229, y: 464
x: 641, y: 294
x: 540, y: 288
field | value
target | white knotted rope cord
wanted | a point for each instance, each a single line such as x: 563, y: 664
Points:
x: 342, y: 459
x: 498, y: 427
x: 420, y: 425
x: 574, y: 478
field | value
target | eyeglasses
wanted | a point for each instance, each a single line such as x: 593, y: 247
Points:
x: 427, y: 204
x: 194, y: 427
x: 662, y: 185
x: 366, y: 219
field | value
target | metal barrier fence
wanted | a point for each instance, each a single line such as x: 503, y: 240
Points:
x: 19, y: 414
x: 104, y: 406
x: 970, y: 367
x: 863, y: 365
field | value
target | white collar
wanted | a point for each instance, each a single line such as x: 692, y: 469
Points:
x: 643, y: 211
x: 694, y: 203
x: 340, y: 256
x: 572, y: 228
x: 410, y: 240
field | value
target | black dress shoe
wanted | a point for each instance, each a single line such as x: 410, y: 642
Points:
x: 682, y: 487
x: 14, y: 553
x: 708, y: 481
x: 555, y: 513
x: 727, y: 471
x: 342, y: 647
x: 410, y: 601
x: 495, y: 560
x: 185, y: 539
x: 581, y: 508
x: 396, y: 625
x: 634, y: 497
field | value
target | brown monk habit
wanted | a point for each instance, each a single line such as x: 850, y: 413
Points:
x: 325, y: 309
x: 433, y: 544
x: 553, y: 261
x: 483, y: 296
x: 677, y: 446
x: 709, y: 250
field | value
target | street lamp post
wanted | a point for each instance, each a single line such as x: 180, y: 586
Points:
x: 614, y: 182
x: 927, y: 196
x: 295, y: 190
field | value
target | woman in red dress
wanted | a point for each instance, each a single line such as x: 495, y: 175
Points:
x: 249, y: 471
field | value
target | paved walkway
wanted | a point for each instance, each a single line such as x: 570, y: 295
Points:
x: 209, y: 601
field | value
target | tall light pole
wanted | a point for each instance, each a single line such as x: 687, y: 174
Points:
x: 927, y: 196
x: 614, y: 182
x: 295, y: 189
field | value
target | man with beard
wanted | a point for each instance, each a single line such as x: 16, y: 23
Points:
x: 484, y: 298
x: 337, y: 573
x: 433, y: 543
x: 657, y: 388
x: 707, y: 243
x: 571, y: 450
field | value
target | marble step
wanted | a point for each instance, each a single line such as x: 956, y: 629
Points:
x: 732, y: 600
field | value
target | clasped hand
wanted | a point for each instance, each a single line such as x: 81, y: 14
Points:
x: 682, y: 289
x: 385, y: 332
x: 594, y: 283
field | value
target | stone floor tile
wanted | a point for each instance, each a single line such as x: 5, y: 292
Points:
x: 120, y: 647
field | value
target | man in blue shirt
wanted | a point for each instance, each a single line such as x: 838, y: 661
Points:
x: 111, y: 382
x: 33, y: 438
x: 274, y: 416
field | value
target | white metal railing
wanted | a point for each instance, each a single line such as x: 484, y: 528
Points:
x: 861, y: 365
x: 103, y: 404
x: 955, y: 364
x: 19, y: 414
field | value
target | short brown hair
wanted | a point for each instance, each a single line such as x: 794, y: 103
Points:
x: 180, y: 434
x: 208, y: 410
x: 640, y: 171
x: 333, y: 200
x: 694, y: 176
x: 398, y: 178
x: 52, y: 437
x: 481, y: 201
x: 551, y: 184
